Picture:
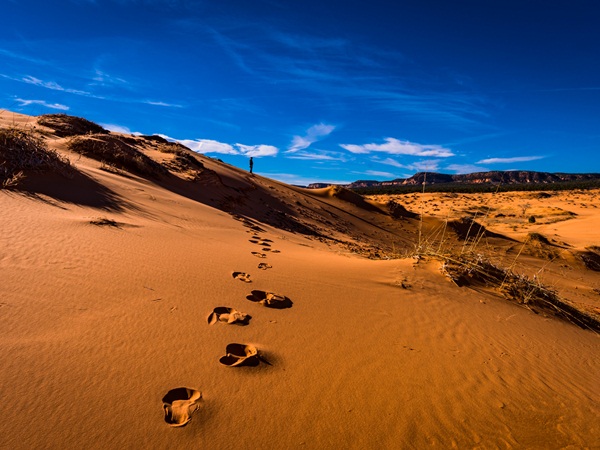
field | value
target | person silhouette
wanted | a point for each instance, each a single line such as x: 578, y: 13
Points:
x: 251, y: 164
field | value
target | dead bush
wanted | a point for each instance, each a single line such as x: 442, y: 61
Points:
x: 65, y: 125
x: 471, y: 269
x: 111, y: 150
x: 22, y: 151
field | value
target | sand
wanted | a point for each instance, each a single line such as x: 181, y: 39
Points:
x: 107, y: 291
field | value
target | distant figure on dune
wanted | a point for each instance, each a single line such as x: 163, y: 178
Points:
x: 251, y: 164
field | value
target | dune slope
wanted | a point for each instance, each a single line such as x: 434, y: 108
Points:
x: 109, y: 279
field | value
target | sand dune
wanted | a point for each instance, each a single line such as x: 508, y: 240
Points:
x: 190, y: 305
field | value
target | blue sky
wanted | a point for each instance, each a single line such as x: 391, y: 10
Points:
x: 322, y: 91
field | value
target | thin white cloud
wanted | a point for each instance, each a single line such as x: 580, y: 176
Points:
x: 211, y: 146
x: 155, y: 103
x: 313, y: 134
x: 509, y: 160
x: 318, y: 155
x: 377, y: 173
x: 51, y: 85
x: 24, y: 102
x: 257, y: 151
x: 466, y: 168
x: 116, y: 128
x: 394, y: 146
x: 418, y: 166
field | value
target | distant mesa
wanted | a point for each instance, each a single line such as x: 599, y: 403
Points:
x: 511, y: 177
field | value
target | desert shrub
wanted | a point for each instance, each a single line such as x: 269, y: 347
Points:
x: 472, y: 269
x: 21, y: 151
x: 531, y: 219
x: 65, y: 125
x: 113, y: 151
x: 155, y: 138
x: 538, y: 237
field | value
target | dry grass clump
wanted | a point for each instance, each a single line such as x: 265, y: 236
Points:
x: 164, y: 146
x: 114, y: 152
x: 65, y: 125
x: 591, y: 258
x: 472, y: 269
x: 398, y: 211
x: 22, y: 151
x: 539, y: 245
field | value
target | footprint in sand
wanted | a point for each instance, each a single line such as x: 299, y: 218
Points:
x: 239, y: 355
x: 265, y: 266
x: 253, y: 241
x: 264, y: 244
x: 270, y: 300
x: 259, y: 255
x: 266, y: 249
x: 179, y: 404
x: 242, y: 276
x: 275, y: 251
x: 228, y: 315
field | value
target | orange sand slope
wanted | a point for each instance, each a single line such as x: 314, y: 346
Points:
x: 177, y: 302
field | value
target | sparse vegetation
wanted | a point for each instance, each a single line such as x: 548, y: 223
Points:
x: 105, y: 222
x: 21, y: 151
x: 65, y: 125
x: 472, y: 269
x: 472, y: 265
x: 112, y: 151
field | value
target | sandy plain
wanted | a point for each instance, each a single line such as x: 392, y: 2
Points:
x: 110, y: 280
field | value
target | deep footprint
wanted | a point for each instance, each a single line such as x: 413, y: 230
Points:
x: 270, y: 300
x: 265, y: 266
x: 239, y: 355
x: 179, y: 404
x: 229, y: 316
x: 242, y: 276
x: 259, y: 255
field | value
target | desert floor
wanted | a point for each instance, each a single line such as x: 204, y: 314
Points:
x: 109, y: 279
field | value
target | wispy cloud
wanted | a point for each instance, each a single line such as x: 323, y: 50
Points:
x: 394, y: 146
x: 509, y: 160
x: 116, y: 128
x: 465, y: 168
x: 299, y: 180
x: 348, y: 74
x: 51, y: 85
x: 418, y: 166
x: 211, y: 146
x: 257, y: 151
x: 24, y: 102
x: 158, y: 103
x: 313, y: 134
x: 22, y: 57
x: 318, y: 155
x: 105, y: 79
x: 377, y: 173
